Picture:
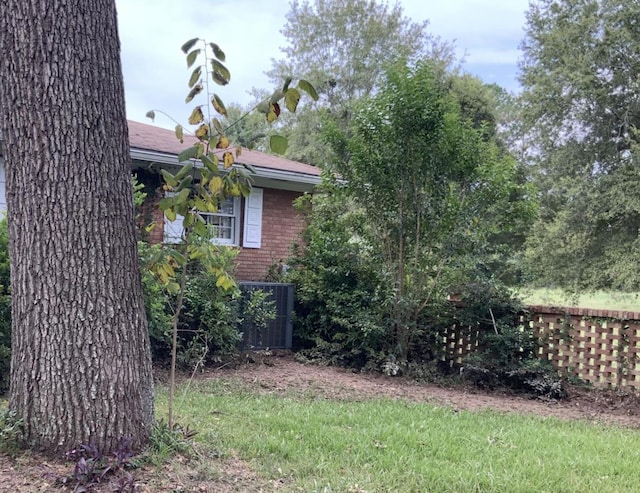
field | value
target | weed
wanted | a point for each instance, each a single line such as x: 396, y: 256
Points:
x: 92, y: 468
x: 10, y: 432
x: 166, y: 441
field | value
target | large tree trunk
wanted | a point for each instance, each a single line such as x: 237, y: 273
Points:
x: 81, y: 365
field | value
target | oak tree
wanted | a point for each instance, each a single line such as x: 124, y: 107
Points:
x: 81, y: 365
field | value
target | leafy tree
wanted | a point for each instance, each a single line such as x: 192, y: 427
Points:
x: 581, y: 107
x: 81, y: 365
x: 344, y: 48
x: 434, y: 187
x: 193, y: 191
x: 247, y: 128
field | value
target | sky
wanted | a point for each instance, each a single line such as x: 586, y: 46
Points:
x: 487, y: 33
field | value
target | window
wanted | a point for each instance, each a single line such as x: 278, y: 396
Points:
x: 224, y: 225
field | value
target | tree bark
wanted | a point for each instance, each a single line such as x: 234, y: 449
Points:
x: 81, y: 365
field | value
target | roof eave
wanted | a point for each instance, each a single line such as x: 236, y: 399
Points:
x: 303, y: 181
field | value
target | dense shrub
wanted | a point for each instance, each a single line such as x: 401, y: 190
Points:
x: 508, y: 349
x: 5, y: 308
x: 339, y: 295
x: 210, y: 320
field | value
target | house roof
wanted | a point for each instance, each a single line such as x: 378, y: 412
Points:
x: 158, y: 140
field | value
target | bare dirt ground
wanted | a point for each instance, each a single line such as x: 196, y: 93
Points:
x: 281, y: 374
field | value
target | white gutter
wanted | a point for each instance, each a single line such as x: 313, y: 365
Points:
x: 267, y: 173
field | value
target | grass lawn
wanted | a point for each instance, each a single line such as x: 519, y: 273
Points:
x: 604, y: 300
x: 313, y: 444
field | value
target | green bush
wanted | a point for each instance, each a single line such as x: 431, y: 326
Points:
x: 340, y: 295
x: 508, y: 349
x: 210, y: 320
x: 157, y: 304
x: 5, y: 308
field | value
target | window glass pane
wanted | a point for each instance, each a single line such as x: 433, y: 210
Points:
x: 221, y: 226
x: 226, y: 207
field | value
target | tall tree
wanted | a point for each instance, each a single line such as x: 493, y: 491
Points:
x: 581, y: 103
x: 435, y: 189
x: 343, y: 47
x: 81, y: 366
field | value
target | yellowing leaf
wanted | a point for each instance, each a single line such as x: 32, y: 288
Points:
x: 291, y: 99
x: 228, y: 160
x: 218, y: 105
x: 223, y: 142
x: 272, y: 115
x: 203, y: 131
x: 179, y: 133
x: 218, y: 126
x: 224, y: 282
x: 171, y: 214
x: 196, y: 116
x: 215, y: 185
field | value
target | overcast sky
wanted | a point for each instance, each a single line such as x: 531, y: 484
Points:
x: 486, y: 32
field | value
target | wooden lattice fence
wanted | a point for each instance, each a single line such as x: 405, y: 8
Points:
x: 598, y: 346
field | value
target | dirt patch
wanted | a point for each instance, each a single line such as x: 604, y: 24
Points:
x: 283, y: 374
x: 280, y: 374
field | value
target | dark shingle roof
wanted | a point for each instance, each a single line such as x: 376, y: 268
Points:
x: 151, y: 138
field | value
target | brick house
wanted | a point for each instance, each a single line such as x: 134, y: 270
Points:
x: 263, y: 226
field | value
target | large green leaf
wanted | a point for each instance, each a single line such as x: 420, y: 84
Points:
x: 184, y: 171
x: 169, y: 179
x: 278, y: 144
x: 221, y: 74
x: 195, y: 76
x: 191, y: 57
x: 189, y: 44
x: 187, y: 154
x: 193, y: 93
x: 308, y: 88
x: 219, y: 54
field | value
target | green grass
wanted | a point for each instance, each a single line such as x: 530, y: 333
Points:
x: 319, y: 445
x: 603, y: 300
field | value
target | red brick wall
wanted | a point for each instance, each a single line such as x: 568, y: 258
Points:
x: 281, y: 226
